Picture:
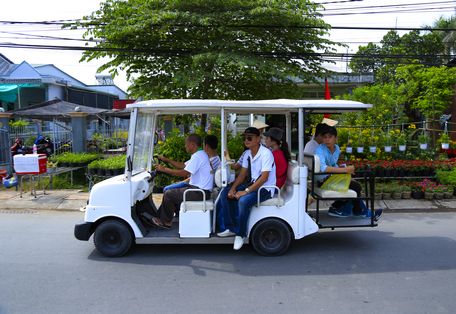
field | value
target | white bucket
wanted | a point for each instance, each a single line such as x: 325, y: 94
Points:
x: 387, y: 149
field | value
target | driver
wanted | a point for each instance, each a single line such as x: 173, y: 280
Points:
x: 198, y: 168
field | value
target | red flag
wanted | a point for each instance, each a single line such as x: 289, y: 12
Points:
x: 327, y: 96
x: 327, y: 92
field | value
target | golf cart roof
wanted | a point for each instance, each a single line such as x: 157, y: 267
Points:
x: 278, y: 106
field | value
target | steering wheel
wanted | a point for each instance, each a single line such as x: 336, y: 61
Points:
x: 153, y: 173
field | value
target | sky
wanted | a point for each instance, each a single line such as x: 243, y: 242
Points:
x: 418, y: 14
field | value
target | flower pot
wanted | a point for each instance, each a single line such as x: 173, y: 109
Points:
x: 378, y: 196
x: 445, y: 145
x: 423, y: 146
x: 349, y: 150
x: 386, y: 195
x: 372, y: 149
x: 429, y: 195
x: 407, y: 195
x: 417, y: 195
x: 402, y: 148
x: 360, y: 149
x: 396, y: 195
x: 387, y: 149
x: 438, y: 196
x: 448, y: 195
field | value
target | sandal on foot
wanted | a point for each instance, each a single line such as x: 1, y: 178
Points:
x: 158, y: 223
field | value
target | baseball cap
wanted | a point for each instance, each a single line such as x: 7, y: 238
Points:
x: 252, y: 130
x: 274, y: 133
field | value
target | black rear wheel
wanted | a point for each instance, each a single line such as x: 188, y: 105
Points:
x: 113, y: 238
x: 271, y: 237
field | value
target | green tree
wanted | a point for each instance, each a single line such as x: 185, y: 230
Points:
x: 388, y: 105
x: 415, y: 47
x: 428, y: 90
x: 415, y: 92
x: 210, y: 49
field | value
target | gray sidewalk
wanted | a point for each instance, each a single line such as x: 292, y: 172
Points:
x: 71, y: 200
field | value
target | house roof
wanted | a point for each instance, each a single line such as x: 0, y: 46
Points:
x: 55, y: 109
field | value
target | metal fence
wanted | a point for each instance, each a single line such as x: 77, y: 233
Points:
x: 108, y: 136
x: 5, y: 151
x: 102, y: 135
x: 59, y: 132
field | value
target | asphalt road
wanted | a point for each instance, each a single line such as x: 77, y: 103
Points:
x: 406, y: 265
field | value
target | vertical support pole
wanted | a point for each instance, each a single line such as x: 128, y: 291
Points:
x: 288, y: 129
x: 19, y: 97
x: 79, y: 131
x: 224, y: 144
x: 54, y: 135
x: 6, y: 146
x: 301, y: 127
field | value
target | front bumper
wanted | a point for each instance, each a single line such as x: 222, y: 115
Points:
x: 83, y: 230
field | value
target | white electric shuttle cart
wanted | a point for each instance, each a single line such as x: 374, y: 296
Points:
x: 113, y: 211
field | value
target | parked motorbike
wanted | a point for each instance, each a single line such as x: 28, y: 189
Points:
x: 43, y: 144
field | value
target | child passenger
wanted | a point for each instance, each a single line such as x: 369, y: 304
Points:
x: 329, y: 152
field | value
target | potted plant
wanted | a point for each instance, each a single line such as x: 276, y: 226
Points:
x: 349, y: 148
x: 439, y: 190
x: 406, y: 191
x: 417, y: 191
x: 428, y: 188
x: 387, y: 190
x: 423, y: 141
x: 387, y: 144
x: 448, y: 192
x: 444, y: 140
x: 360, y: 145
x: 396, y: 191
x: 402, y: 142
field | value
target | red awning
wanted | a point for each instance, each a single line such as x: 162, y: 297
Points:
x: 122, y: 104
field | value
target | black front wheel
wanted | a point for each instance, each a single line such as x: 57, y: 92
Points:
x: 271, y: 237
x: 113, y: 238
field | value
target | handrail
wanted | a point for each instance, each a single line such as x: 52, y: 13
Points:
x: 266, y: 187
x: 195, y: 190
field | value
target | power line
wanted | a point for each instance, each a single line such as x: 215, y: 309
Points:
x: 192, y: 51
x: 391, y: 6
x: 421, y: 10
x: 266, y: 26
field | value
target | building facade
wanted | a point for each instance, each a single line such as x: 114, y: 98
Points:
x: 23, y: 85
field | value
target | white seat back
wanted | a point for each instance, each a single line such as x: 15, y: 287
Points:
x: 312, y: 162
x: 293, y: 172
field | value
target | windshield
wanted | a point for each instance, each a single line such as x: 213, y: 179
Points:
x: 144, y: 137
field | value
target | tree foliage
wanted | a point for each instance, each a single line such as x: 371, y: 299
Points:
x: 415, y: 47
x: 209, y: 49
x: 415, y: 92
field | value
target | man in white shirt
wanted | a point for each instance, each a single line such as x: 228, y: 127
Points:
x: 241, y: 197
x: 198, y: 168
